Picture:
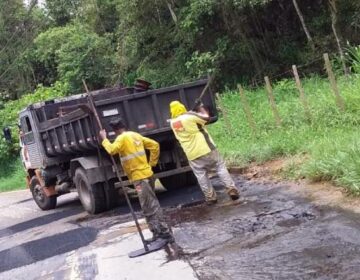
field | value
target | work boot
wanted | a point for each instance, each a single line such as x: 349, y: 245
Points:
x: 211, y: 202
x: 234, y: 194
x: 167, y: 236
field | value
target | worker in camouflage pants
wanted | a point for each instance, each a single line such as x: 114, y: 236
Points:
x: 151, y: 208
x: 202, y: 166
x: 131, y: 146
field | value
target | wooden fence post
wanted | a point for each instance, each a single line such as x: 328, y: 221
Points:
x: 225, y: 115
x: 247, y: 109
x: 272, y: 101
x: 302, y: 93
x: 339, y: 100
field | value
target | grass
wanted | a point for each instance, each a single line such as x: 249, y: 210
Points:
x: 329, y: 141
x: 12, y: 176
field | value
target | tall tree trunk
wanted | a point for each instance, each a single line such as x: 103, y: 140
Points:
x: 173, y: 15
x: 301, y: 17
x: 333, y: 10
x: 158, y: 12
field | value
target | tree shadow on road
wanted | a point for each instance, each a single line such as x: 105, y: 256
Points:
x: 39, y: 221
x: 47, y: 247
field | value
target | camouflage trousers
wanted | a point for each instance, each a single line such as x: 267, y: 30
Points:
x: 151, y: 207
x: 209, y: 163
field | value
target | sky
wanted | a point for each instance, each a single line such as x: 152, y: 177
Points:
x: 41, y: 2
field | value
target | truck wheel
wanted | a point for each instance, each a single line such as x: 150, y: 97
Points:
x: 92, y: 196
x: 112, y: 194
x: 44, y: 202
x: 179, y: 180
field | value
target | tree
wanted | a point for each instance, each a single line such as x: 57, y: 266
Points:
x: 100, y: 15
x: 62, y: 11
x: 165, y: 41
x: 19, y: 25
x: 301, y: 17
x: 334, y: 20
x: 73, y: 53
x: 149, y: 43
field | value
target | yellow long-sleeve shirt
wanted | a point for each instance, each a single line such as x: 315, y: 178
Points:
x: 190, y: 131
x: 131, y: 148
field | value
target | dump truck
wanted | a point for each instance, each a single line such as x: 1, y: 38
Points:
x: 61, y: 150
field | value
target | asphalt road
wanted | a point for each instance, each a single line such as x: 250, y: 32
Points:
x: 29, y: 236
x: 274, y: 233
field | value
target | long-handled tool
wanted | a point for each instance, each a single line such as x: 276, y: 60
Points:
x: 199, y: 99
x: 148, y: 247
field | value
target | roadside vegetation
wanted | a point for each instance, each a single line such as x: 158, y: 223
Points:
x: 48, y: 47
x: 12, y: 175
x: 327, y: 144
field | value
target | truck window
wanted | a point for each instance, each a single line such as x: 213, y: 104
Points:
x: 26, y: 125
x: 28, y: 135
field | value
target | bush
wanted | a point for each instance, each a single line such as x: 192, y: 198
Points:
x: 353, y: 57
x: 9, y: 115
x: 74, y: 52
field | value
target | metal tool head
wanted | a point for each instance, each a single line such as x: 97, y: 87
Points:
x: 154, y: 246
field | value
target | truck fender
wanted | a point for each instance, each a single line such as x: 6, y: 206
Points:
x: 49, y: 191
x: 94, y: 171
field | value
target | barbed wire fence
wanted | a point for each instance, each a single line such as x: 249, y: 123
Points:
x: 291, y: 74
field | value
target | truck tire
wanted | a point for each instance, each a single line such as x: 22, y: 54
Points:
x: 92, y: 196
x: 44, y: 202
x: 112, y: 194
x: 179, y: 180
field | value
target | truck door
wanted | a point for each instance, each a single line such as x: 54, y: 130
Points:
x: 28, y: 140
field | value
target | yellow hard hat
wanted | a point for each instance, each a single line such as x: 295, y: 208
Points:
x: 177, y: 109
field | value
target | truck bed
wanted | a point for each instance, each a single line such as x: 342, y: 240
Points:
x: 68, y: 127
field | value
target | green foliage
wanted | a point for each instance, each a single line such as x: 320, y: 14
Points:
x: 9, y: 116
x: 149, y: 44
x: 62, y: 11
x: 353, y: 58
x: 329, y: 141
x: 74, y: 53
x: 101, y: 16
x: 164, y: 41
x: 201, y: 64
x: 336, y: 158
x: 12, y: 176
x: 19, y: 25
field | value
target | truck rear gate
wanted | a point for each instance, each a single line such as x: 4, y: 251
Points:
x: 147, y: 112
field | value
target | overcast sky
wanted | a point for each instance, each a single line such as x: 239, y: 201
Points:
x: 41, y: 2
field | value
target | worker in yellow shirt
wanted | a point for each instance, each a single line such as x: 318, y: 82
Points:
x: 189, y: 129
x: 131, y: 146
